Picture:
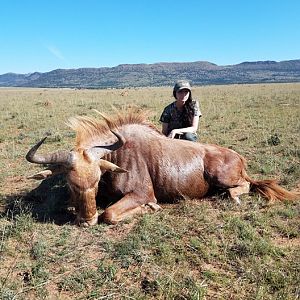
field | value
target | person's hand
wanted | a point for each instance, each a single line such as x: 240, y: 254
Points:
x: 173, y: 133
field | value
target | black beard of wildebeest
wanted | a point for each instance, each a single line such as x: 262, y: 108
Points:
x: 145, y: 168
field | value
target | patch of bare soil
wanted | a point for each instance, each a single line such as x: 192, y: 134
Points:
x: 284, y: 242
x: 17, y: 185
x: 14, y: 184
x: 121, y: 230
x: 297, y: 188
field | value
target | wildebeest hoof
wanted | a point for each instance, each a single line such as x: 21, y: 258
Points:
x: 154, y: 206
x: 86, y: 223
x: 237, y: 200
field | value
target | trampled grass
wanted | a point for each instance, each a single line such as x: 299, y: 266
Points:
x: 207, y: 249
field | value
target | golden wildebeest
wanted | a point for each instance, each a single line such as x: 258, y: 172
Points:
x: 144, y: 167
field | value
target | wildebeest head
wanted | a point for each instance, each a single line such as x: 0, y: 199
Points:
x: 83, y: 167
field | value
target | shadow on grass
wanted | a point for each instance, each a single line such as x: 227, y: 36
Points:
x: 49, y: 202
x: 46, y: 203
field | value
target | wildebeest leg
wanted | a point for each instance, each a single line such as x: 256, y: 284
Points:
x: 235, y: 192
x: 51, y: 171
x: 154, y: 206
x: 128, y: 206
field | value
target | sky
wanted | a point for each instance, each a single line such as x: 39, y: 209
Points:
x: 44, y: 35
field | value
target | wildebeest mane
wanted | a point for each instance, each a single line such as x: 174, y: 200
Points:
x: 90, y: 130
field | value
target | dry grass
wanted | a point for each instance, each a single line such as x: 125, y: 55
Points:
x: 207, y: 249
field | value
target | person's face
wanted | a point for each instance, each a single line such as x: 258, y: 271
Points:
x: 182, y: 95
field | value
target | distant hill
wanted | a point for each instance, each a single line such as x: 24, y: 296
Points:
x: 159, y: 74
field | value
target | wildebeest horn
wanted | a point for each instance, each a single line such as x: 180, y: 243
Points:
x: 59, y: 157
x: 118, y: 144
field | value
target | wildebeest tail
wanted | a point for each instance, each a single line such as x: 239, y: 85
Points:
x: 270, y: 189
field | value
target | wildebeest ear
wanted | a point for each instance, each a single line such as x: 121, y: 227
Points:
x: 108, y: 166
x: 48, y: 173
x: 41, y: 175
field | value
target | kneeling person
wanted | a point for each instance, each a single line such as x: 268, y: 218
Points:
x: 180, y: 119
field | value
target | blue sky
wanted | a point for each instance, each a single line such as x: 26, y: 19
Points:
x: 45, y: 35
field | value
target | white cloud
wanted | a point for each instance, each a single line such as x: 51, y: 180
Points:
x: 56, y: 52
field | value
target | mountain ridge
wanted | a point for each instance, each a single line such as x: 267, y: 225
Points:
x: 159, y: 74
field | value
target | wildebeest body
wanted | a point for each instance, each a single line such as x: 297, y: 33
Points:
x: 156, y: 168
x: 149, y: 168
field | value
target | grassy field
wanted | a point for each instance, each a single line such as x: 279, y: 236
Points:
x: 208, y: 249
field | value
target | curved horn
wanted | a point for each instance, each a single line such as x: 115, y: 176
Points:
x: 59, y: 157
x: 118, y: 144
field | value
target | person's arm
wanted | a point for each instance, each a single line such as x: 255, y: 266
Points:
x: 192, y: 128
x: 164, y: 128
